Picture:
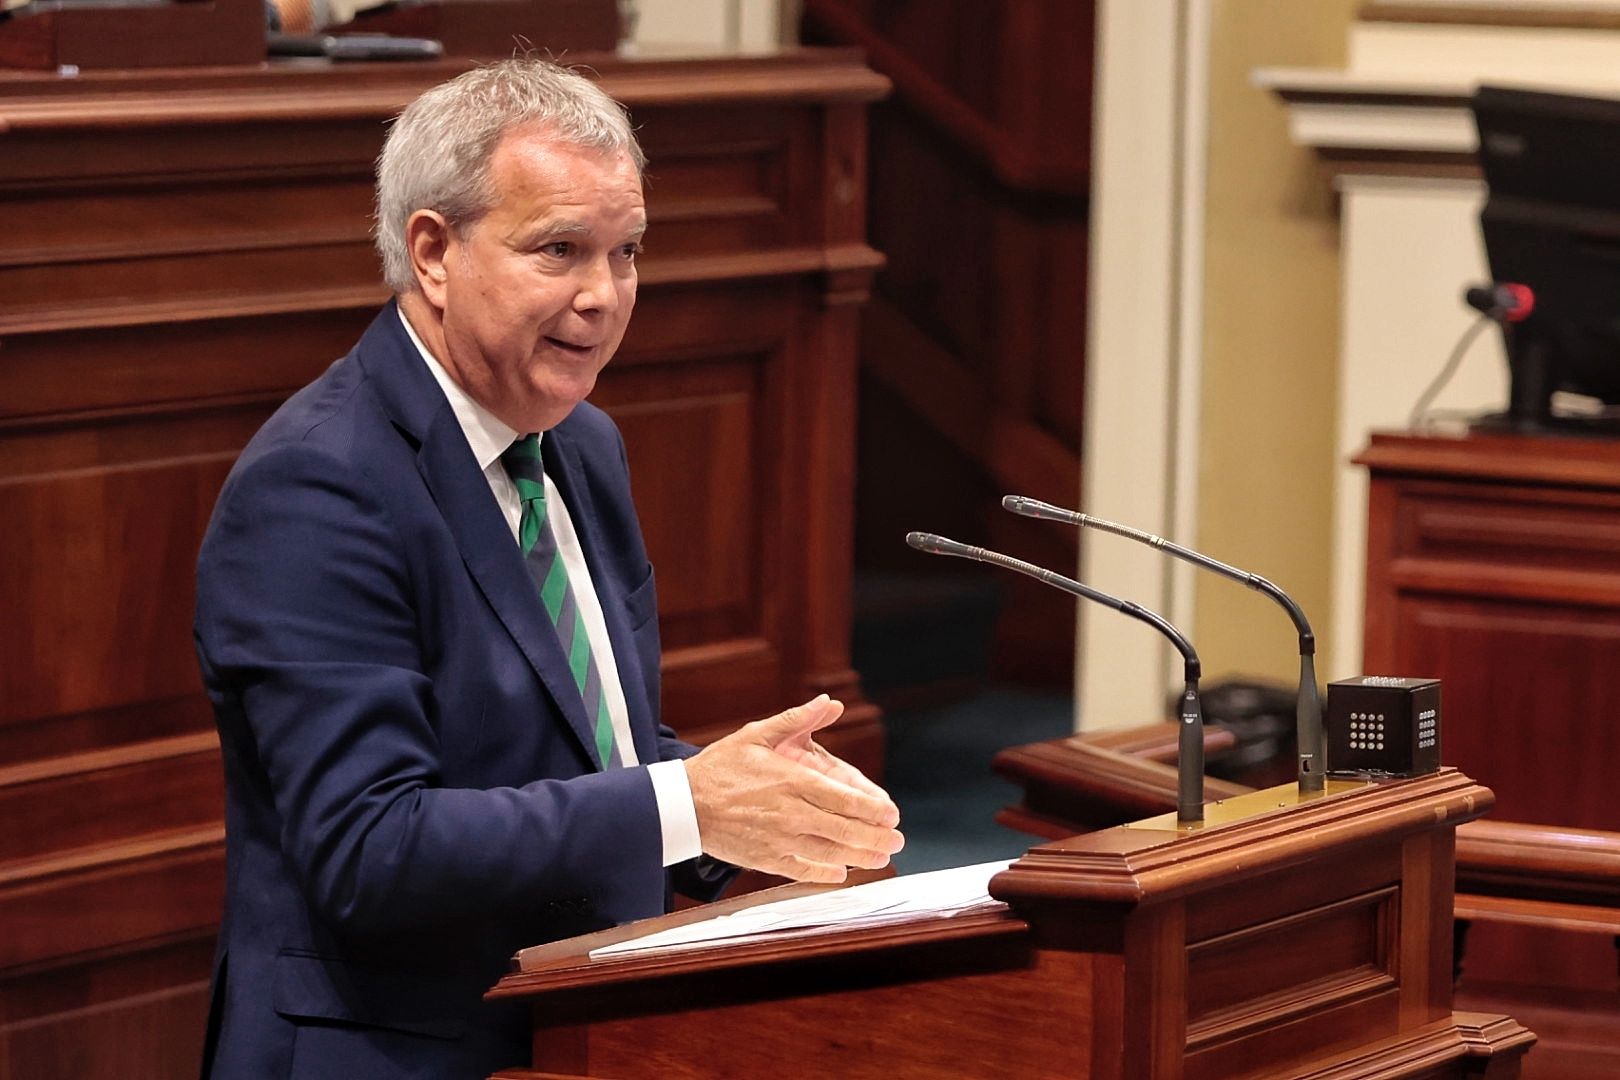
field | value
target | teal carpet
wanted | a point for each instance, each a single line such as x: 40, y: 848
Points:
x: 938, y: 771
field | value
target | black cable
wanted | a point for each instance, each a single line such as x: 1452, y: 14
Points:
x: 1420, y: 410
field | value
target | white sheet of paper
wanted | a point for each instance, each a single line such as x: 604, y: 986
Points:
x: 938, y: 892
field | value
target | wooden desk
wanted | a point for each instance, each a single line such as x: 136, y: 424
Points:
x: 1493, y: 564
x: 184, y: 249
x: 1282, y: 938
x: 1507, y: 875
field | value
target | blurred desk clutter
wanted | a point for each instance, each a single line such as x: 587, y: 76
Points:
x: 70, y: 36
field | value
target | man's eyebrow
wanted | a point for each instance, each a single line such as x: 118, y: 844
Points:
x: 563, y: 227
x: 569, y: 227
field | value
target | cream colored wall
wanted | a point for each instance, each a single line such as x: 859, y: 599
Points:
x: 1270, y: 343
x: 711, y: 25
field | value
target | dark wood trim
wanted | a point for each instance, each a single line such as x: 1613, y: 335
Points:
x: 1538, y: 17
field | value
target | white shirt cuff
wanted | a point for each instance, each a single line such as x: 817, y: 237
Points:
x: 677, y: 817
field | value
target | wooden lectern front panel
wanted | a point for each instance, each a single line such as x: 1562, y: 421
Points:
x: 997, y: 1009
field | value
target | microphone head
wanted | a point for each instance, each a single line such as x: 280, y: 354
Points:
x: 936, y: 545
x: 1019, y: 504
x: 1504, y: 301
x: 1523, y: 301
x: 1034, y: 508
x: 925, y: 542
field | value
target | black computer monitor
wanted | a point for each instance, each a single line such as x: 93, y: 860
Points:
x: 1552, y: 222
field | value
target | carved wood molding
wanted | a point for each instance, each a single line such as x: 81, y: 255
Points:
x: 1534, y: 14
x: 543, y: 976
x: 1463, y: 1035
x: 1545, y: 861
x: 117, y: 313
x: 1155, y: 861
x: 54, y: 907
x: 1592, y: 463
x: 302, y: 95
x: 1380, y: 125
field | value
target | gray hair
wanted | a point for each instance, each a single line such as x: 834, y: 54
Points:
x: 437, y: 153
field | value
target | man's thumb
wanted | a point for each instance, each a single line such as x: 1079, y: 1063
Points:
x: 813, y: 715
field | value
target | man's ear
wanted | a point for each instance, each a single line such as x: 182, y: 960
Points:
x: 427, y: 238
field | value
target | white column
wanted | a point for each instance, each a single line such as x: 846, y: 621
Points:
x: 1142, y: 353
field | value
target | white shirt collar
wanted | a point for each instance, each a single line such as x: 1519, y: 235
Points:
x: 486, y: 433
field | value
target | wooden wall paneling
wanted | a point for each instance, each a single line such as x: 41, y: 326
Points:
x: 167, y: 783
x: 975, y: 341
x: 77, y: 382
x: 828, y: 392
x: 133, y: 1015
x: 185, y: 250
x: 1493, y: 563
x: 698, y: 393
x: 104, y: 559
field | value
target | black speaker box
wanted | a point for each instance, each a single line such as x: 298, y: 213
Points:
x: 1380, y: 727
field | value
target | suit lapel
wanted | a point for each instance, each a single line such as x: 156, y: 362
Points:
x: 566, y: 470
x: 418, y: 408
x: 493, y: 560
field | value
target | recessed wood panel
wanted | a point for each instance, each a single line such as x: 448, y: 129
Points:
x: 696, y: 443
x: 29, y: 741
x: 90, y: 798
x: 1516, y: 677
x: 82, y: 902
x: 184, y: 361
x: 133, y: 1014
x: 159, y: 1034
x: 1520, y: 528
x: 73, y: 223
x: 105, y: 565
x: 1296, y: 965
x: 952, y: 1017
x: 190, y: 151
x: 49, y: 293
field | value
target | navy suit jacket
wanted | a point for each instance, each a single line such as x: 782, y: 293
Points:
x: 412, y: 790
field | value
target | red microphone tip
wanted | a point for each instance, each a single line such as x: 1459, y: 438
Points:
x: 1524, y: 301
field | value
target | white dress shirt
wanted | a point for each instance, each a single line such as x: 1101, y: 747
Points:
x: 489, y: 438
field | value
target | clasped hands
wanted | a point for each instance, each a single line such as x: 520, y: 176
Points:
x: 768, y: 797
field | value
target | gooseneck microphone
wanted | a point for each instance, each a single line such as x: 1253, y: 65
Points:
x: 1308, y: 707
x: 1190, y: 755
x: 1504, y: 301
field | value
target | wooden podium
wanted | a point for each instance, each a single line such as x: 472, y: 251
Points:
x: 1283, y: 937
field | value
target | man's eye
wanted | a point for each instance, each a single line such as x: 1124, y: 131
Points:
x: 630, y: 251
x: 557, y: 249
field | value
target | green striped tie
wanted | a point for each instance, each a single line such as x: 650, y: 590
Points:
x: 522, y: 462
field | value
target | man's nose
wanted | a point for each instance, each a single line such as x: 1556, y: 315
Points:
x: 597, y: 289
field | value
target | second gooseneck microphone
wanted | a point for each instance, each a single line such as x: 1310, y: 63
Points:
x: 1308, y: 707
x: 1190, y: 731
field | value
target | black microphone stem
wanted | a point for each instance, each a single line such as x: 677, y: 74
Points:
x: 1308, y: 704
x: 1190, y: 731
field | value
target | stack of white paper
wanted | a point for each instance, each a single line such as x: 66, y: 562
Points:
x: 940, y: 892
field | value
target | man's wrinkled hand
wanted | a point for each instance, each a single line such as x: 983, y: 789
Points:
x: 769, y: 798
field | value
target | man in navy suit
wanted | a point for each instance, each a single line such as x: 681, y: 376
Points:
x: 430, y: 637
